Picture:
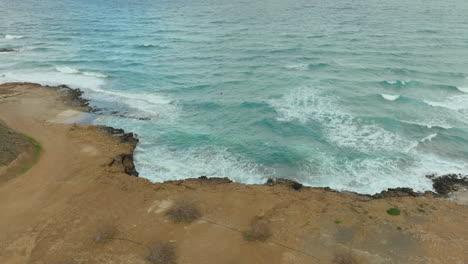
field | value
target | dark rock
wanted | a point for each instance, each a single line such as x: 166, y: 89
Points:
x: 128, y: 138
x: 444, y: 185
x: 8, y: 50
x: 289, y: 183
x: 214, y: 180
x: 124, y: 162
x: 397, y: 192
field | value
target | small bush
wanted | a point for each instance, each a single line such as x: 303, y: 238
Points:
x: 105, y: 233
x: 162, y: 253
x: 64, y: 262
x: 184, y: 212
x: 338, y: 222
x: 344, y: 257
x: 393, y: 211
x: 259, y: 230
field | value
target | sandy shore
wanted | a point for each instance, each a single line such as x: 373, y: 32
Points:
x: 52, y: 213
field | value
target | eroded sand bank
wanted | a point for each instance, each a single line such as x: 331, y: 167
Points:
x: 51, y: 213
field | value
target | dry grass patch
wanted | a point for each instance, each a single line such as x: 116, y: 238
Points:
x: 162, y: 253
x: 259, y: 230
x: 105, y: 233
x: 344, y: 257
x: 184, y: 212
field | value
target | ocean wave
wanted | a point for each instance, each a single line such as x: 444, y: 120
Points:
x: 9, y: 37
x: 463, y: 89
x: 456, y: 103
x: 150, y: 103
x: 66, y: 69
x: 430, y: 123
x: 95, y: 74
x: 69, y: 70
x: 343, y: 129
x: 298, y: 66
x: 160, y: 163
x: 390, y: 97
x: 151, y: 46
x: 372, y: 175
x: 398, y: 82
x: 429, y: 138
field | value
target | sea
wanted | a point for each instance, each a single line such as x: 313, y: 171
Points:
x: 359, y: 95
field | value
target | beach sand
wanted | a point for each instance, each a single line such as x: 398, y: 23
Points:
x: 52, y: 212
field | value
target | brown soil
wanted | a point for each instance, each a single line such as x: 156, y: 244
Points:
x: 55, y: 211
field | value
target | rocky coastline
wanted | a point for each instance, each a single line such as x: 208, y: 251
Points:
x: 56, y: 212
x: 444, y: 186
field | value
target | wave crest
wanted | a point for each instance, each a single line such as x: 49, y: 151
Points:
x: 69, y: 70
x: 13, y: 37
x: 390, y: 97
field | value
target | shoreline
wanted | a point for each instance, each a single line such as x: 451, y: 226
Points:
x: 52, y: 212
x: 444, y: 185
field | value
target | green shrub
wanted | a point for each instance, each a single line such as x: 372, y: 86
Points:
x: 393, y: 211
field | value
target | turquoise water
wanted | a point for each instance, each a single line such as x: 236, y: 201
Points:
x: 356, y: 95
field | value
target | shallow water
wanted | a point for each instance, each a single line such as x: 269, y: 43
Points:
x: 357, y: 95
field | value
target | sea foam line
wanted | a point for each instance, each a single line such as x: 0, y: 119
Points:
x: 69, y: 70
x: 9, y: 37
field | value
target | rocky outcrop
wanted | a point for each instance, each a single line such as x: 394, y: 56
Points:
x: 124, y: 163
x: 445, y: 185
x: 121, y: 135
x: 289, y: 183
x: 74, y: 98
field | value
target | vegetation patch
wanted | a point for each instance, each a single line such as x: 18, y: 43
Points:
x: 105, y: 233
x: 393, y: 211
x: 344, y: 257
x: 338, y: 222
x: 184, y: 212
x: 259, y: 230
x: 14, y: 145
x: 162, y: 253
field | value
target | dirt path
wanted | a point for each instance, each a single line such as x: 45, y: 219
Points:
x: 51, y: 213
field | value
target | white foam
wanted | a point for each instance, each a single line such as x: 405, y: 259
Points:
x: 463, y: 89
x: 429, y: 138
x: 150, y: 103
x: 95, y: 74
x: 66, y: 69
x: 299, y: 66
x: 430, y: 123
x: 69, y: 70
x: 160, y: 163
x: 13, y: 37
x: 392, y: 82
x: 54, y: 78
x: 390, y: 97
x: 341, y: 128
x: 457, y: 102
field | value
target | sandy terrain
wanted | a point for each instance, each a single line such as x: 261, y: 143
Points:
x: 51, y: 213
